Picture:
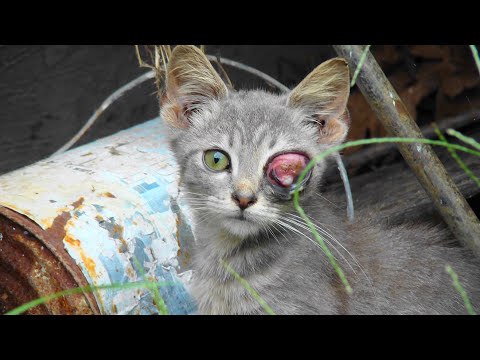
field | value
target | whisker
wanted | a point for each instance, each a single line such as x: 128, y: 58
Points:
x: 273, y: 225
x: 202, y: 214
x: 273, y: 233
x: 324, y: 198
x: 362, y: 269
x: 327, y: 233
x: 191, y: 192
x: 198, y: 208
x: 288, y: 226
x: 318, y: 223
x: 196, y: 202
x: 325, y: 239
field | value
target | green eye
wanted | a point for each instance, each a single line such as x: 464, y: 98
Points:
x: 216, y: 160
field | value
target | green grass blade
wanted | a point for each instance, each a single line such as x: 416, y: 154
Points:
x: 322, y: 244
x: 153, y: 285
x: 159, y: 302
x: 360, y: 64
x: 455, y: 156
x: 465, y: 139
x: 134, y: 285
x: 319, y: 157
x: 459, y: 288
x: 248, y: 287
x: 475, y: 56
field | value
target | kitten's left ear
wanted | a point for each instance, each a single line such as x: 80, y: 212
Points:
x: 324, y: 94
x: 190, y: 81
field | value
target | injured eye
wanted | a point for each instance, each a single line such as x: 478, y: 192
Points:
x: 284, y: 170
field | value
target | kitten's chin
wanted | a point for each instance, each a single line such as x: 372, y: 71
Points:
x: 240, y: 227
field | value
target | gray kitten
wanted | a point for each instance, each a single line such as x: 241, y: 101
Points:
x: 240, y: 155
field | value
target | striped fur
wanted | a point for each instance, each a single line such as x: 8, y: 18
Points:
x: 391, y: 270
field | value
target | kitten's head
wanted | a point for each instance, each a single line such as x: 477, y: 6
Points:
x: 240, y: 153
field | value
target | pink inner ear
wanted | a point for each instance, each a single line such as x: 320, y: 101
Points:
x: 284, y: 169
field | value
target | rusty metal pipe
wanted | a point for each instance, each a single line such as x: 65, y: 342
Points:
x: 85, y: 217
x: 32, y: 265
x: 428, y: 169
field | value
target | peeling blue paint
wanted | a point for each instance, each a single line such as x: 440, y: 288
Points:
x: 115, y: 269
x: 143, y: 187
x: 129, y: 209
x: 177, y: 299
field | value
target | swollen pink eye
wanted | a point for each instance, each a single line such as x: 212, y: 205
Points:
x: 284, y: 170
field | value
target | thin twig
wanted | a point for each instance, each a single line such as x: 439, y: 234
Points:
x: 110, y: 100
x: 368, y: 154
x: 251, y: 70
x: 346, y: 184
x: 217, y: 61
x: 156, y: 73
x: 338, y: 148
x: 150, y: 75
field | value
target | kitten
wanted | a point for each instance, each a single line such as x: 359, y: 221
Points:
x: 240, y: 155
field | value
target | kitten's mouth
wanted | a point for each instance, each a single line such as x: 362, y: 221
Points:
x: 240, y: 216
x: 240, y: 225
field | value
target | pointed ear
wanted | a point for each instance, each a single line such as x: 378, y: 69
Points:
x: 324, y: 94
x: 190, y: 81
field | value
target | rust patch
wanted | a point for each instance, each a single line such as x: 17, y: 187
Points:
x: 31, y: 267
x: 118, y: 231
x: 114, y: 230
x: 21, y: 211
x: 183, y: 256
x: 50, y: 242
x: 77, y: 203
x: 56, y: 231
x: 88, y: 262
x: 130, y: 272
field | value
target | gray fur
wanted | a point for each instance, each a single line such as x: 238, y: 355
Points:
x: 399, y: 270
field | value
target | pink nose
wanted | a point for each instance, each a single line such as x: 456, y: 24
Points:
x: 243, y: 201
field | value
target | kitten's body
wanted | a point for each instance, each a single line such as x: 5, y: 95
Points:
x: 262, y: 237
x: 401, y: 271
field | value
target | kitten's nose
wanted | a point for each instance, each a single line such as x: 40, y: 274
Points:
x: 243, y: 200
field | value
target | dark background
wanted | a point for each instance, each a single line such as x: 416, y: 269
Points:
x: 47, y: 92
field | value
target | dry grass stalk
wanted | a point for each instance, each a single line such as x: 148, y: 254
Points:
x: 158, y: 59
x: 159, y: 56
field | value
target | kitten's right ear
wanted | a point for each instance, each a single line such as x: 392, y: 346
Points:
x: 324, y: 94
x: 191, y: 80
